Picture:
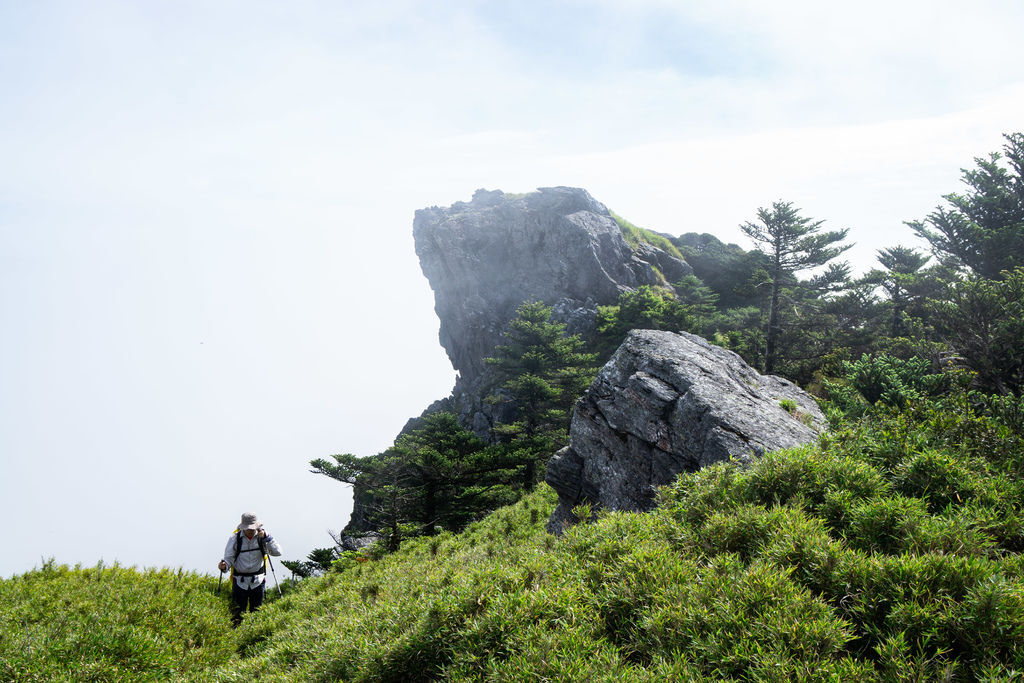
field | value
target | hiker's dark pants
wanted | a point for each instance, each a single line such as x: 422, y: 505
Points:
x: 242, y: 599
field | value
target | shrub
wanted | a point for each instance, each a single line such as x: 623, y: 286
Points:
x: 750, y: 622
x: 892, y: 381
x: 884, y: 525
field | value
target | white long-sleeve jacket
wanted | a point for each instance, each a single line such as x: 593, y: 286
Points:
x: 250, y: 559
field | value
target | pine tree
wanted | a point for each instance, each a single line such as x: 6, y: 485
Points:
x: 543, y: 371
x: 982, y: 230
x: 793, y: 244
x: 438, y: 475
x: 983, y: 321
x: 901, y: 281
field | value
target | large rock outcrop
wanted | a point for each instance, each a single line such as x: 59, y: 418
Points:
x: 485, y: 257
x: 667, y: 403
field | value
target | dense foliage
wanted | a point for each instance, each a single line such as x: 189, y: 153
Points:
x: 889, y: 551
x: 983, y: 320
x: 436, y: 477
x: 726, y: 269
x: 788, y: 308
x: 543, y: 371
x: 645, y: 308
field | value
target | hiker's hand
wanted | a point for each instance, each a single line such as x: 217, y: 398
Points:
x: 262, y: 533
x: 222, y: 566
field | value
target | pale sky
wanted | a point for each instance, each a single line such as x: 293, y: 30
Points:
x: 208, y: 275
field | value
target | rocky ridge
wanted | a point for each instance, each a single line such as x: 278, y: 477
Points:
x: 485, y: 257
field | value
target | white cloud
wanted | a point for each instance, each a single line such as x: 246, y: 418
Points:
x: 868, y: 177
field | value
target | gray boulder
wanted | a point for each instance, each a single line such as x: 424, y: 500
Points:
x: 357, y: 542
x: 668, y: 403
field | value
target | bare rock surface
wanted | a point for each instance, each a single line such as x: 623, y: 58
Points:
x: 485, y: 257
x: 667, y: 403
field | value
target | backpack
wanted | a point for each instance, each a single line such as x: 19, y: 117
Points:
x: 238, y: 551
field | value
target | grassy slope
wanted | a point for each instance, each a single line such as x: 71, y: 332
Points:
x: 889, y: 552
x: 111, y: 624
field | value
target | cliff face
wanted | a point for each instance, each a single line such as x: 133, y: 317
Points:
x: 485, y: 257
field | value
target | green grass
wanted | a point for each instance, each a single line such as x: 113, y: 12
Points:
x: 111, y: 624
x: 890, y: 551
x: 634, y: 236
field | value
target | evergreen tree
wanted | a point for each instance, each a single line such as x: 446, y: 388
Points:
x: 855, y: 322
x: 724, y: 268
x: 982, y: 230
x: 438, y: 475
x: 543, y: 371
x: 386, y: 488
x: 793, y: 243
x: 740, y: 330
x: 317, y: 562
x: 901, y: 280
x: 983, y: 321
x: 455, y: 474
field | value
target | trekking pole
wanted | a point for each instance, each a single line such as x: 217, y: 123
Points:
x: 219, y: 582
x: 276, y: 582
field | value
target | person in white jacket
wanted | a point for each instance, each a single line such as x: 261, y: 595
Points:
x: 245, y: 553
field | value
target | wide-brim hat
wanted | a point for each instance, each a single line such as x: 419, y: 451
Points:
x: 249, y: 521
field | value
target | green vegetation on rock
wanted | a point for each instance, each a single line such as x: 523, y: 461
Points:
x: 635, y: 236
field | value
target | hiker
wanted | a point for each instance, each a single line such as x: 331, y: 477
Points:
x: 245, y: 554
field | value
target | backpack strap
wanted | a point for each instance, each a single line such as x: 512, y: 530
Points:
x: 261, y: 542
